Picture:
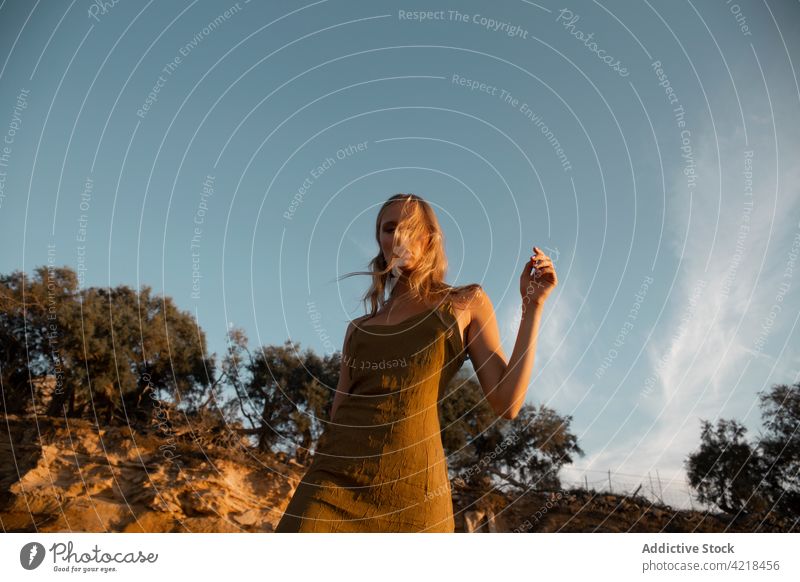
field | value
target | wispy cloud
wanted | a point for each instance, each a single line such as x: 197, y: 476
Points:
x: 730, y: 274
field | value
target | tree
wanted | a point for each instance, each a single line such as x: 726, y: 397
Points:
x: 780, y: 446
x: 527, y: 452
x: 111, y: 350
x: 743, y: 477
x: 726, y: 470
x: 545, y: 443
x: 292, y: 390
x: 136, y: 345
x: 35, y: 332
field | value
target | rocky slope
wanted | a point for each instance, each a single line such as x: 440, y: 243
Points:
x: 59, y: 475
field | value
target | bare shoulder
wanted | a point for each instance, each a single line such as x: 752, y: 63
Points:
x: 469, y: 301
x: 354, y: 323
x: 351, y: 326
x: 357, y: 320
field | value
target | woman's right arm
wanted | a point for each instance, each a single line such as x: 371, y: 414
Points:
x: 343, y: 387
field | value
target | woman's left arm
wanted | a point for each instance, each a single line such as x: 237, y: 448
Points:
x: 505, y: 384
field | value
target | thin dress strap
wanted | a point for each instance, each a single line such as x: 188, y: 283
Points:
x: 452, y: 325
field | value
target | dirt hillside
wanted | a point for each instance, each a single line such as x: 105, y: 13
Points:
x: 59, y: 476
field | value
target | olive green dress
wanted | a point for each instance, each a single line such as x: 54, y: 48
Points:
x: 380, y: 466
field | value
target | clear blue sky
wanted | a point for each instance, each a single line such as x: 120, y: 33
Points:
x: 524, y: 124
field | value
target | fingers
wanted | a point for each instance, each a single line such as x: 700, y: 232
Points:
x: 547, y: 271
x: 528, y: 267
x: 541, y: 262
x: 539, y: 255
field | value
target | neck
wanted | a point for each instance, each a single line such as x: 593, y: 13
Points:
x: 400, y: 290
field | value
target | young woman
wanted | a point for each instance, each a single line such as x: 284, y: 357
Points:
x: 380, y: 465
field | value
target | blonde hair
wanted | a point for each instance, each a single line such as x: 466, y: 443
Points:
x: 418, y: 222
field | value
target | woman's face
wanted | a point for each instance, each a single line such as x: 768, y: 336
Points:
x: 389, y: 221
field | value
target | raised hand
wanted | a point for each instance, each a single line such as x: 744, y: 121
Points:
x: 538, y: 278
